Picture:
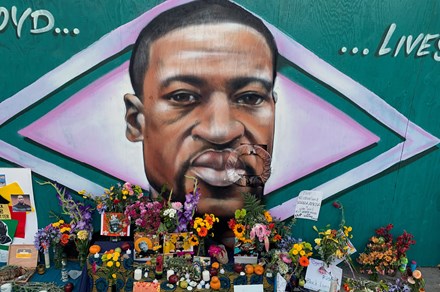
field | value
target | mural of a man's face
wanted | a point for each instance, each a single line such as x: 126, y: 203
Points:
x: 207, y: 90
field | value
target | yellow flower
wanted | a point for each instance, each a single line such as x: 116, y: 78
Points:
x: 318, y: 241
x: 83, y: 234
x: 339, y: 254
x: 82, y: 192
x: 295, y: 252
x: 114, y: 276
x: 302, y: 253
x: 268, y: 216
x: 124, y: 197
x: 239, y: 230
x: 109, y: 264
x: 118, y: 264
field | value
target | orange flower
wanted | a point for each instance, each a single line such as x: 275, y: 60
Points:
x: 203, y: 231
x: 277, y: 237
x: 304, y: 261
x: 64, y: 239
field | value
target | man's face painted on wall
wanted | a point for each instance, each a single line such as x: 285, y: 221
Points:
x: 208, y: 90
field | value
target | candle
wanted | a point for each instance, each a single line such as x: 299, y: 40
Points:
x: 137, y: 274
x: 46, y: 258
x: 169, y: 273
x: 205, y: 276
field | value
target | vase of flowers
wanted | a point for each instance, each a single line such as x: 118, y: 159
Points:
x: 80, y: 213
x: 299, y: 254
x: 82, y: 241
x: 202, y: 227
x: 60, y: 238
x: 112, y: 204
x: 255, y: 230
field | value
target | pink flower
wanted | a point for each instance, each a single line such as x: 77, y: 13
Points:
x: 129, y: 188
x: 261, y: 231
x: 177, y: 206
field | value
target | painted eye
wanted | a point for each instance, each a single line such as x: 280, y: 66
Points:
x: 183, y: 98
x: 250, y: 99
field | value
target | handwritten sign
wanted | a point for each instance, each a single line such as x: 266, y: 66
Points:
x: 308, y: 205
x: 319, y: 276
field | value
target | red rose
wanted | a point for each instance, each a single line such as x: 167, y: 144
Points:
x: 336, y: 205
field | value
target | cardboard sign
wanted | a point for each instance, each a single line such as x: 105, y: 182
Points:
x: 308, y: 205
x: 319, y: 277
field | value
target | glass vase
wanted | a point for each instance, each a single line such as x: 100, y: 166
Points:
x: 201, y: 248
x: 82, y: 258
x: 57, y: 256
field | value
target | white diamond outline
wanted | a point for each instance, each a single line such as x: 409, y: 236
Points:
x: 416, y: 141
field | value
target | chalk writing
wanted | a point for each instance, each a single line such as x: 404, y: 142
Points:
x: 42, y: 21
x: 423, y: 45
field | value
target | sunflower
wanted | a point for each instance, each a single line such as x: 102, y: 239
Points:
x: 239, y: 230
x: 304, y: 261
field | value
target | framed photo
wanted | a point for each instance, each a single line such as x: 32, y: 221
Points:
x: 21, y: 203
x: 145, y: 246
x: 177, y: 243
x: 115, y: 224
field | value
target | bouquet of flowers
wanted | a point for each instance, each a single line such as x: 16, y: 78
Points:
x: 145, y: 214
x: 334, y: 244
x: 254, y: 227
x: 300, y: 254
x: 80, y: 213
x: 111, y: 263
x: 176, y: 217
x: 202, y: 227
x: 117, y: 198
x: 382, y: 255
x: 278, y: 260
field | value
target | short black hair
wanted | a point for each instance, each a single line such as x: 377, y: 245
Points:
x: 192, y: 13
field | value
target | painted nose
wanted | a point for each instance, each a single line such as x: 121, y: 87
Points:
x: 218, y: 123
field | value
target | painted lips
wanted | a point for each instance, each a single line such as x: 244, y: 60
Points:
x: 210, y: 167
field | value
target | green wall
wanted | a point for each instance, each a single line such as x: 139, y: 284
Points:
x: 407, y: 195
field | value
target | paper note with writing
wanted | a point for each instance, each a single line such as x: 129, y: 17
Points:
x: 319, y: 276
x: 281, y: 283
x: 308, y: 205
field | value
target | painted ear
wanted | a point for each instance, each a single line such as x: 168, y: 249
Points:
x: 134, y: 118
